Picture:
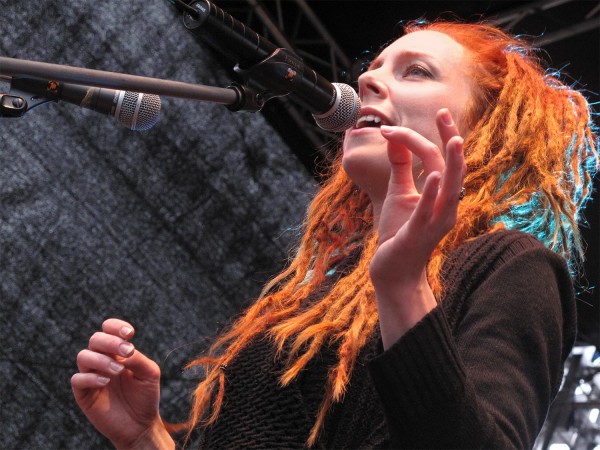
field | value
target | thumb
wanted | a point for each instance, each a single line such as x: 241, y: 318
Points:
x: 142, y: 366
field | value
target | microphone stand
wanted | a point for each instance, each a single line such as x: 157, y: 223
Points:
x: 235, y: 97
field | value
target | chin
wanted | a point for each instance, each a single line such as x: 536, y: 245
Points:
x: 367, y: 167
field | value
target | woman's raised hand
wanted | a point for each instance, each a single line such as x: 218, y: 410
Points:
x: 412, y: 223
x: 118, y: 389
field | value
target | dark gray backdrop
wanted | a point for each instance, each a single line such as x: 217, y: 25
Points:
x: 173, y: 229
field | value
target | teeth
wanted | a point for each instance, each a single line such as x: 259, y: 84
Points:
x: 369, y: 118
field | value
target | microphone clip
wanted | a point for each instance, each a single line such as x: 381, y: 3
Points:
x: 12, y: 105
x: 25, y: 94
x: 248, y: 99
x: 277, y: 75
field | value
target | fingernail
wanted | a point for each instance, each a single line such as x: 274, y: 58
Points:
x: 116, y: 367
x: 126, y: 348
x: 447, y: 118
x: 126, y: 331
x: 103, y: 381
x: 385, y: 128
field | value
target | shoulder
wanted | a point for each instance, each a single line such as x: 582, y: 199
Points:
x: 510, y: 274
x: 491, y: 254
x: 497, y: 247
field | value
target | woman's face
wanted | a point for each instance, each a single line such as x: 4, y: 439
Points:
x: 406, y: 85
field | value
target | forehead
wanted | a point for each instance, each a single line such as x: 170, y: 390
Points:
x: 432, y: 43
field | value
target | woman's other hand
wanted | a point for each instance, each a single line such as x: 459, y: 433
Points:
x: 118, y: 389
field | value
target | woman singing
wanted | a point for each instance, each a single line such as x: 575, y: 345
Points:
x: 430, y: 301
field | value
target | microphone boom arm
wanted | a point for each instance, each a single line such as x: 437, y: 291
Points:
x: 269, y: 70
x: 21, y: 68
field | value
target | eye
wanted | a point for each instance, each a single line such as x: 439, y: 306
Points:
x: 417, y: 70
x: 374, y: 65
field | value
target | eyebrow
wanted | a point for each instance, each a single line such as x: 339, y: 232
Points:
x: 405, y: 53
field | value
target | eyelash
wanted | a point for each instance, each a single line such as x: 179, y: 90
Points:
x: 422, y: 70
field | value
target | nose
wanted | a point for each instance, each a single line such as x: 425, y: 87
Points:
x: 369, y: 84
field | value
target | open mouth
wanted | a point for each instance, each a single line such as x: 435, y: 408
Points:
x: 369, y: 120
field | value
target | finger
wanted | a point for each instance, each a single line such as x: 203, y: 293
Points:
x: 446, y: 208
x: 93, y: 361
x: 142, y: 366
x: 110, y: 345
x: 124, y: 351
x: 423, y: 148
x: 446, y: 126
x: 452, y: 180
x: 82, y: 381
x: 118, y: 327
x: 89, y: 361
x: 422, y: 215
x: 401, y: 170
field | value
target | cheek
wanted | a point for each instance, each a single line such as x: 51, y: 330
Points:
x: 426, y: 126
x: 418, y: 112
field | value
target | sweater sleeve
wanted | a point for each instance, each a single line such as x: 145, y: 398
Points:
x: 486, y: 381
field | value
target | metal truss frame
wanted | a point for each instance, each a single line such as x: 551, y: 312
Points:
x: 573, y: 418
x: 591, y: 20
x: 293, y: 24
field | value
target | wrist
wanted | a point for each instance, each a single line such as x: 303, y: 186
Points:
x: 154, y: 438
x: 401, y: 306
x: 402, y: 287
x: 401, y: 275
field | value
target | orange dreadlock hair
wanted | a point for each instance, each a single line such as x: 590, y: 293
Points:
x: 530, y: 138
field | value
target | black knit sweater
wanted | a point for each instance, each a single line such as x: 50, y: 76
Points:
x: 479, y: 371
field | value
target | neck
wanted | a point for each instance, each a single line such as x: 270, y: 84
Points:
x: 377, y: 199
x: 377, y: 204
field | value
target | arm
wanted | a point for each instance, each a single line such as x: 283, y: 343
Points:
x: 486, y: 382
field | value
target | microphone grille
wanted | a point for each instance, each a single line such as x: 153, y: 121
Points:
x: 139, y: 112
x: 344, y: 113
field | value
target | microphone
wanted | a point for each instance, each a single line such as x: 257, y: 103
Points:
x: 138, y: 112
x: 334, y: 106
